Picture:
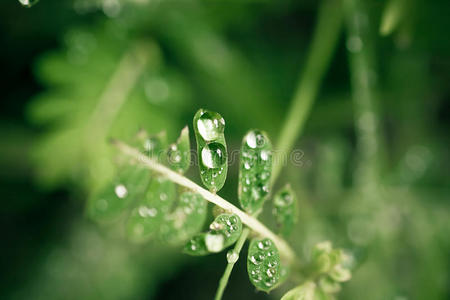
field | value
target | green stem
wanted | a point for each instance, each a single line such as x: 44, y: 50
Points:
x: 226, y: 275
x: 363, y: 77
x: 319, y: 56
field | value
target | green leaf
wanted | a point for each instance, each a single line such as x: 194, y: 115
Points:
x: 340, y: 274
x: 211, y: 148
x: 305, y: 291
x: 224, y: 232
x: 152, y: 145
x: 328, y: 285
x: 178, y: 155
x: 116, y: 197
x: 255, y: 171
x: 285, y: 210
x: 146, y: 217
x: 186, y: 220
x: 196, y: 245
x: 263, y: 264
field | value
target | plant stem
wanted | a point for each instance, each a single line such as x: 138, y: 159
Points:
x: 363, y: 77
x: 130, y: 68
x: 323, y: 45
x: 226, y: 275
x: 285, y: 250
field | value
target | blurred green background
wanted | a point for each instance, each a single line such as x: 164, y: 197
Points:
x: 62, y: 61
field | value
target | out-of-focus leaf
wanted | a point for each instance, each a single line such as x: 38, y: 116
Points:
x: 178, y: 154
x: 255, y: 170
x: 305, y: 291
x: 211, y: 148
x: 285, y: 210
x: 186, y: 220
x: 146, y: 217
x: 115, y: 198
x: 263, y: 264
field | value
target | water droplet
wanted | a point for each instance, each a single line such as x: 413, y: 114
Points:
x: 121, y: 191
x: 271, y: 272
x: 232, y: 257
x: 28, y: 3
x: 265, y: 155
x: 214, y: 242
x: 210, y: 125
x: 163, y: 196
x: 255, y: 139
x: 215, y: 226
x: 173, y: 154
x: 213, y: 155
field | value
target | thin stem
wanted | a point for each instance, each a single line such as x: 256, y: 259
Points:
x: 226, y: 275
x: 318, y: 59
x: 285, y: 250
x: 363, y: 78
x: 128, y: 71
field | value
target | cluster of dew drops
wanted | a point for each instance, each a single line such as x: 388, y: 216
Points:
x: 211, y: 126
x: 256, y: 182
x: 265, y: 264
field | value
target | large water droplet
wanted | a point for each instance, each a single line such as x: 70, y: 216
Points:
x: 210, y: 125
x: 213, y: 155
x: 214, y: 242
x: 28, y: 3
x: 255, y: 139
x: 121, y: 191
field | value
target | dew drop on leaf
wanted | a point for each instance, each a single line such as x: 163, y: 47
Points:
x: 263, y: 264
x: 214, y: 156
x: 114, y: 199
x: 178, y: 154
x: 232, y: 257
x: 185, y: 220
x: 210, y: 125
x: 255, y: 170
x: 28, y: 3
x: 211, y: 148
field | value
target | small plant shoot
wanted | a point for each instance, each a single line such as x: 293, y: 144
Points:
x: 254, y: 171
x: 285, y: 210
x: 211, y: 148
x: 263, y: 264
x: 223, y: 232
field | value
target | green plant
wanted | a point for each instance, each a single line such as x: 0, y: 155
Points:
x: 175, y: 215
